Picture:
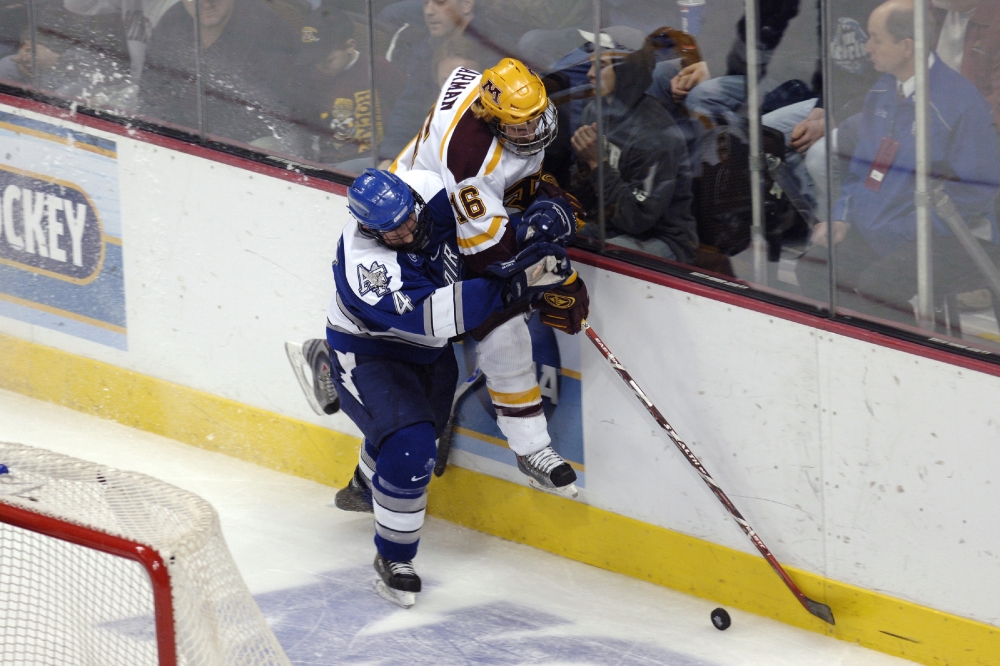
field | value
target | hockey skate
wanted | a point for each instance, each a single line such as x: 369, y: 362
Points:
x: 546, y: 470
x: 314, y: 355
x: 355, y: 496
x: 396, y: 581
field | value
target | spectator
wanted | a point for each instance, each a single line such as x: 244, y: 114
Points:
x: 247, y: 55
x: 723, y: 98
x: 73, y: 57
x: 852, y: 76
x: 802, y: 122
x: 444, y: 19
x: 647, y: 174
x: 459, y: 51
x: 13, y: 19
x: 336, y: 104
x: 522, y: 16
x: 17, y: 67
x: 139, y: 18
x: 874, y: 224
x: 968, y: 41
x: 546, y: 29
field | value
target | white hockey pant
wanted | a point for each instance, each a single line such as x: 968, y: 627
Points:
x: 505, y: 359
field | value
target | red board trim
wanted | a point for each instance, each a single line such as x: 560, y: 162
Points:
x: 173, y: 144
x: 151, y: 561
x: 598, y: 261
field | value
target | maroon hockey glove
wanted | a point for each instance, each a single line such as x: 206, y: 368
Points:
x: 566, y: 306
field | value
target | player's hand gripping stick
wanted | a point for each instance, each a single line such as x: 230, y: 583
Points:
x: 821, y: 611
x: 566, y: 306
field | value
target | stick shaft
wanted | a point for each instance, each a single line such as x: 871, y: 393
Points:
x: 820, y: 610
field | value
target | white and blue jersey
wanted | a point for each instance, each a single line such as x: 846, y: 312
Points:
x: 407, y: 305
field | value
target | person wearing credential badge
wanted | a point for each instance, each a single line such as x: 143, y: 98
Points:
x: 874, y: 220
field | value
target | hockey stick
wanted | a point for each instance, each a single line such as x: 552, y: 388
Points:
x: 822, y: 611
x: 444, y: 442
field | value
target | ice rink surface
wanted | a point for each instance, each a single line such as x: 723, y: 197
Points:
x: 485, y: 600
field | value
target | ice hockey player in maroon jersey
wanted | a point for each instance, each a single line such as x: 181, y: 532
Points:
x: 486, y: 137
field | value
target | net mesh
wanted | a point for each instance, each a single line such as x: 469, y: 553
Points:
x: 62, y: 603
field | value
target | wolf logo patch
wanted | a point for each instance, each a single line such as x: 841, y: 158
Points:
x: 375, y: 279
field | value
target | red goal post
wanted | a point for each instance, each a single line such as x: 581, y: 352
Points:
x: 91, y: 556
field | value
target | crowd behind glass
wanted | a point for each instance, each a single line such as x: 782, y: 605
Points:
x: 661, y: 162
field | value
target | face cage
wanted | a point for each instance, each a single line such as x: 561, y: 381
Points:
x: 545, y: 133
x: 421, y: 233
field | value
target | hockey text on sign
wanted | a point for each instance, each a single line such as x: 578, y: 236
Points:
x: 49, y: 226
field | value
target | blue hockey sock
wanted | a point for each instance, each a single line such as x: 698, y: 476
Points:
x: 399, y: 488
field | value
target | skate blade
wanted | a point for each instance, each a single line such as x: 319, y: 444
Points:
x: 298, y: 360
x: 565, y: 491
x: 401, y: 599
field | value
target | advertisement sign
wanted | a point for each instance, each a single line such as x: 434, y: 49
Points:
x: 60, y: 231
x: 557, y: 365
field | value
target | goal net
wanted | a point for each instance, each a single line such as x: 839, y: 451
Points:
x: 101, y: 567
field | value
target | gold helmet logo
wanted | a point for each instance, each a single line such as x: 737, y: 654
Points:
x: 512, y: 93
x: 559, y: 301
x: 491, y: 89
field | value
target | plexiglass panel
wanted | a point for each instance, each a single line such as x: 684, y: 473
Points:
x: 917, y: 172
x: 848, y: 143
x: 340, y: 118
x: 76, y: 49
x: 15, y: 43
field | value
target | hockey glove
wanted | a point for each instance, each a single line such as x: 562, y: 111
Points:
x: 547, y: 220
x: 534, y: 270
x: 566, y: 306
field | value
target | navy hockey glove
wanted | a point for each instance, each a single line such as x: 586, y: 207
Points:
x: 535, y: 269
x: 566, y: 306
x: 547, y: 220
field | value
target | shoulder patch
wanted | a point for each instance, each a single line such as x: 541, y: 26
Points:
x: 376, y: 279
x: 469, y: 147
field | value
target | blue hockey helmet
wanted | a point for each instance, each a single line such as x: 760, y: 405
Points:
x: 381, y: 203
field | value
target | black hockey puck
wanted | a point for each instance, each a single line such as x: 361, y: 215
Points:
x: 720, y: 618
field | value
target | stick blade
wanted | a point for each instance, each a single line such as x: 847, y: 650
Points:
x: 822, y: 611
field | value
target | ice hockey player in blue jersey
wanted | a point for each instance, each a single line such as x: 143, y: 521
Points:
x: 400, y: 301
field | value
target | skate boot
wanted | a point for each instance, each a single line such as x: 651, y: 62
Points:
x: 313, y: 357
x: 317, y: 355
x: 546, y: 470
x: 356, y: 495
x: 396, y: 581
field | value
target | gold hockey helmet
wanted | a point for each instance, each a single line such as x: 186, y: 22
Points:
x: 514, y: 97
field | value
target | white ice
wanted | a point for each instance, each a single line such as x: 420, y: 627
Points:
x: 485, y: 600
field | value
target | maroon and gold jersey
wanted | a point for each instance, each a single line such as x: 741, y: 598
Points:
x: 484, y: 182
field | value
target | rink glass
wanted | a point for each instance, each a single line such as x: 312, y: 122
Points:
x: 345, y: 90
